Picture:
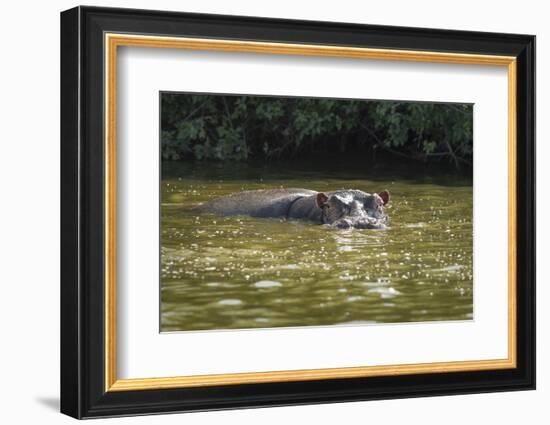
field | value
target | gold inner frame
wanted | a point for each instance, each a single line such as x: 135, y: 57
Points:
x: 113, y: 41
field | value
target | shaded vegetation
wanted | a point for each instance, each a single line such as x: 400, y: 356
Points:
x: 236, y: 128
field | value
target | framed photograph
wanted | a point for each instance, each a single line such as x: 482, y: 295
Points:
x: 261, y: 212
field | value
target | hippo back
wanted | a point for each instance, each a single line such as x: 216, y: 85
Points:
x: 256, y: 203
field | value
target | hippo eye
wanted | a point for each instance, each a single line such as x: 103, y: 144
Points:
x: 372, y: 203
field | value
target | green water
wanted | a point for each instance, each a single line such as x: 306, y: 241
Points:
x: 242, y: 272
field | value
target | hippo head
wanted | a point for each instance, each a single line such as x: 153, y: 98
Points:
x: 353, y: 209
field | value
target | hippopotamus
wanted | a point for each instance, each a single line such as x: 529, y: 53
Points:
x: 341, y: 208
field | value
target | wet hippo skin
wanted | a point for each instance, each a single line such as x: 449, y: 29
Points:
x: 340, y: 208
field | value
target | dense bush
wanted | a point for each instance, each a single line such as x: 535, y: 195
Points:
x: 242, y: 127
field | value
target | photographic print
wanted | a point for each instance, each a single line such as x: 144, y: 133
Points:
x: 306, y: 195
x: 294, y: 211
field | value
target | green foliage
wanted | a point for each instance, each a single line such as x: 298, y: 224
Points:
x: 241, y: 127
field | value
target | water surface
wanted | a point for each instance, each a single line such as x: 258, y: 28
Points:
x: 242, y: 272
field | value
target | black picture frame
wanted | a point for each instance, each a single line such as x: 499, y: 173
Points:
x: 83, y: 392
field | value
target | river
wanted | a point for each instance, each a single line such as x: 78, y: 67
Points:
x: 242, y: 272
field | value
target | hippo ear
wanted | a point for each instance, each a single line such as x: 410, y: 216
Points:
x: 385, y: 195
x: 321, y: 199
